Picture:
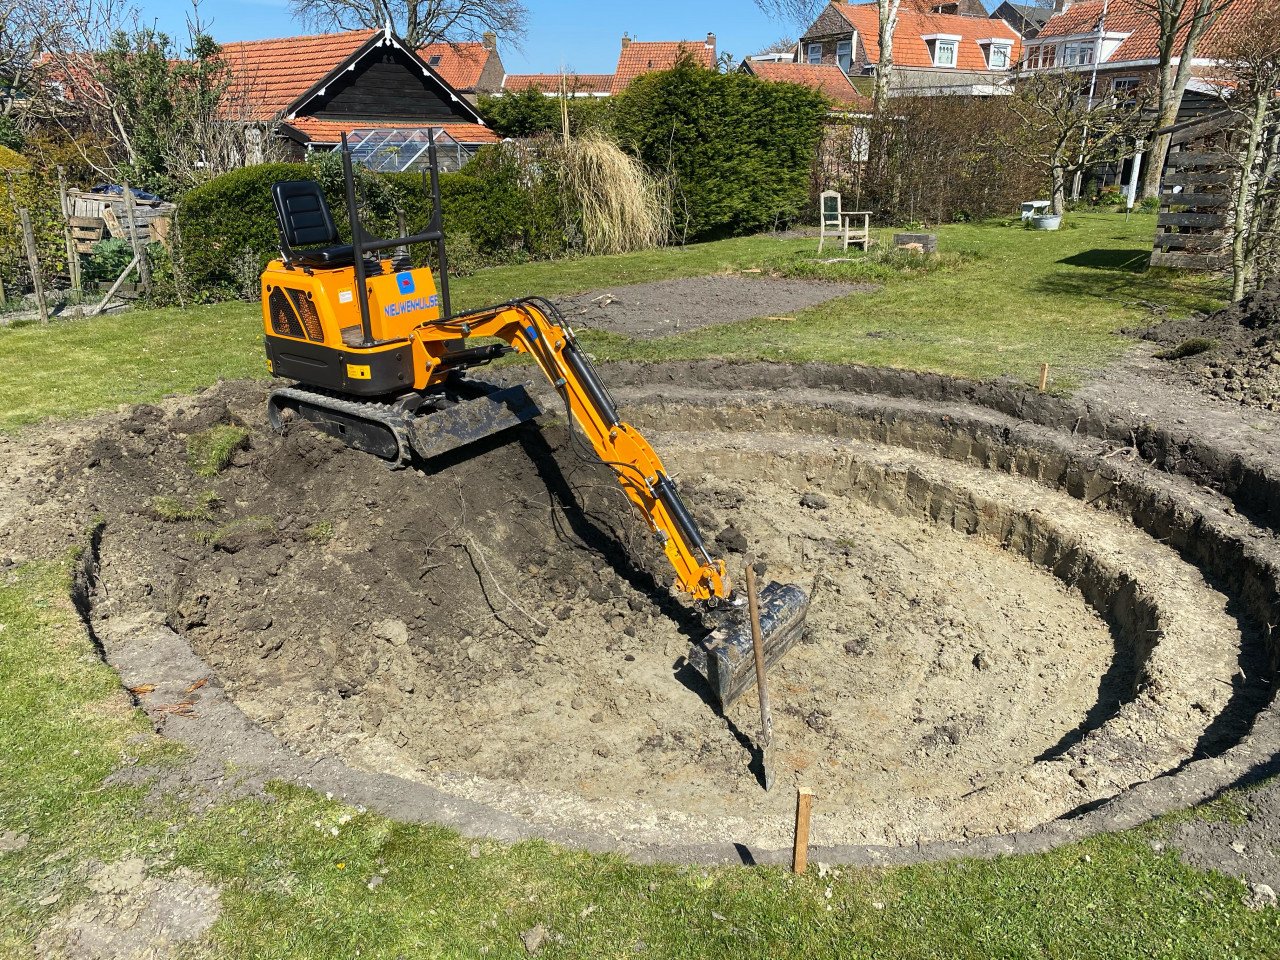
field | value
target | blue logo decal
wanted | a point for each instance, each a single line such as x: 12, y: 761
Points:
x: 406, y: 282
x: 412, y: 306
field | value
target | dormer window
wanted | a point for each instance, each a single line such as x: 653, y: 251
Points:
x: 998, y: 53
x: 844, y: 55
x: 1077, y: 54
x: 945, y: 48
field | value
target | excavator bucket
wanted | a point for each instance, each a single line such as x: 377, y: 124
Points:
x: 726, y: 657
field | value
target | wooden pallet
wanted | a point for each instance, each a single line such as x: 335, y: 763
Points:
x: 87, y: 232
x: 1194, y: 224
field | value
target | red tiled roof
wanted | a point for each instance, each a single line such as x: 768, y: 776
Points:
x: 269, y: 75
x: 641, y: 57
x: 826, y: 78
x: 909, y: 47
x: 550, y: 82
x: 331, y: 131
x: 1135, y: 19
x: 461, y: 64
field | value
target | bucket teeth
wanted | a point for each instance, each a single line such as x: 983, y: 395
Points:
x: 726, y: 658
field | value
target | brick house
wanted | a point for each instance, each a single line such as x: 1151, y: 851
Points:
x: 636, y: 58
x: 1122, y: 47
x: 311, y: 90
x: 933, y: 53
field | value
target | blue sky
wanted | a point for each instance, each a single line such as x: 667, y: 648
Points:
x: 582, y: 35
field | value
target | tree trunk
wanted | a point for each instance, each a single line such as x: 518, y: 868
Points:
x: 1242, y: 239
x: 888, y: 19
x: 1174, y: 80
x: 1058, y: 196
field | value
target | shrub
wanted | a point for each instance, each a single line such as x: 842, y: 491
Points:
x: 739, y: 150
x: 531, y: 114
x: 935, y: 159
x: 107, y: 260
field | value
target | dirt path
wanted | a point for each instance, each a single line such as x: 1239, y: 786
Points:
x: 648, y: 311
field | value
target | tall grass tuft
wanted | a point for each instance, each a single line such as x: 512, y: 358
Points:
x: 619, y: 204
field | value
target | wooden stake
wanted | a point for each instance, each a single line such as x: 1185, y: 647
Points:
x: 33, y: 261
x: 139, y: 251
x: 73, y: 255
x: 114, y: 287
x: 800, y: 853
x: 1044, y: 377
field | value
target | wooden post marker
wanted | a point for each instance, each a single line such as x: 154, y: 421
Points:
x: 1044, y: 377
x: 33, y: 261
x: 139, y: 251
x: 800, y: 853
x: 73, y: 255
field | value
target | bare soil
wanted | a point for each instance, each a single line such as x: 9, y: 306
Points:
x: 1236, y: 350
x: 648, y: 311
x: 501, y: 627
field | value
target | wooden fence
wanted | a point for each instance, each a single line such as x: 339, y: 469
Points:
x: 1193, y: 230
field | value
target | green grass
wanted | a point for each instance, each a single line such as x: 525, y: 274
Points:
x: 1006, y: 301
x: 292, y: 887
x: 173, y: 509
x: 209, y: 452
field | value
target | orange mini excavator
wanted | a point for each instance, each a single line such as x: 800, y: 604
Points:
x: 380, y: 361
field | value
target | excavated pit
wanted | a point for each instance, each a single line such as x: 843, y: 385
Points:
x: 1009, y: 627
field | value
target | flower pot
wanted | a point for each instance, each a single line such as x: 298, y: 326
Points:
x: 1047, y: 221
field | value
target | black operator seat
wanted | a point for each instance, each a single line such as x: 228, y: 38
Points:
x: 305, y: 221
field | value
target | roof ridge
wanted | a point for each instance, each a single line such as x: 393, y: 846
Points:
x: 309, y: 36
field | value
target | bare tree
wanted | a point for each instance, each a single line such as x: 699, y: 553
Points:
x: 1181, y: 24
x: 781, y: 45
x: 1252, y: 64
x: 420, y: 22
x: 795, y: 13
x: 1072, y: 129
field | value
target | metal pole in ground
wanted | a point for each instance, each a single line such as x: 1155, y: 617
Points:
x: 757, y: 644
x: 33, y: 261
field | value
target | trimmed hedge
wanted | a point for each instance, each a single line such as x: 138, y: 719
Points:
x: 227, y: 226
x: 740, y: 149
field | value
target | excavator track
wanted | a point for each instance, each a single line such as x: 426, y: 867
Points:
x: 376, y: 428
x: 479, y: 410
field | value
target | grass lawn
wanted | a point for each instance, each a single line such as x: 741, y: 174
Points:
x: 295, y: 872
x: 1020, y: 299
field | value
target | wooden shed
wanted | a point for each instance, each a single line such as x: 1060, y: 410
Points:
x: 1193, y: 231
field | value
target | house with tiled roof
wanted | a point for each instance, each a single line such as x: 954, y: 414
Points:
x: 826, y: 78
x: 1027, y: 18
x: 636, y: 58
x: 933, y: 53
x: 1119, y: 38
x: 575, y: 84
x: 639, y: 57
x: 470, y: 68
x: 312, y: 90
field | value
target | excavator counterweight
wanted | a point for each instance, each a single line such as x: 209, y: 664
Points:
x: 381, y: 362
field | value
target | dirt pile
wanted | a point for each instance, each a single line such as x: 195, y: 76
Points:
x: 1233, y: 354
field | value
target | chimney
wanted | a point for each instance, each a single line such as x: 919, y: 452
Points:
x: 1060, y: 6
x: 490, y: 40
x: 711, y: 42
x: 626, y: 41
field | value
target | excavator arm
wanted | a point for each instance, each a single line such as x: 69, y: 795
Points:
x: 533, y: 326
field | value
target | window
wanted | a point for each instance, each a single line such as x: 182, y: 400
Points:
x: 1048, y: 56
x: 1125, y: 84
x: 944, y: 53
x: 1077, y: 54
x: 998, y: 57
x: 434, y: 61
x: 814, y: 52
x: 1033, y: 58
x: 844, y: 55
